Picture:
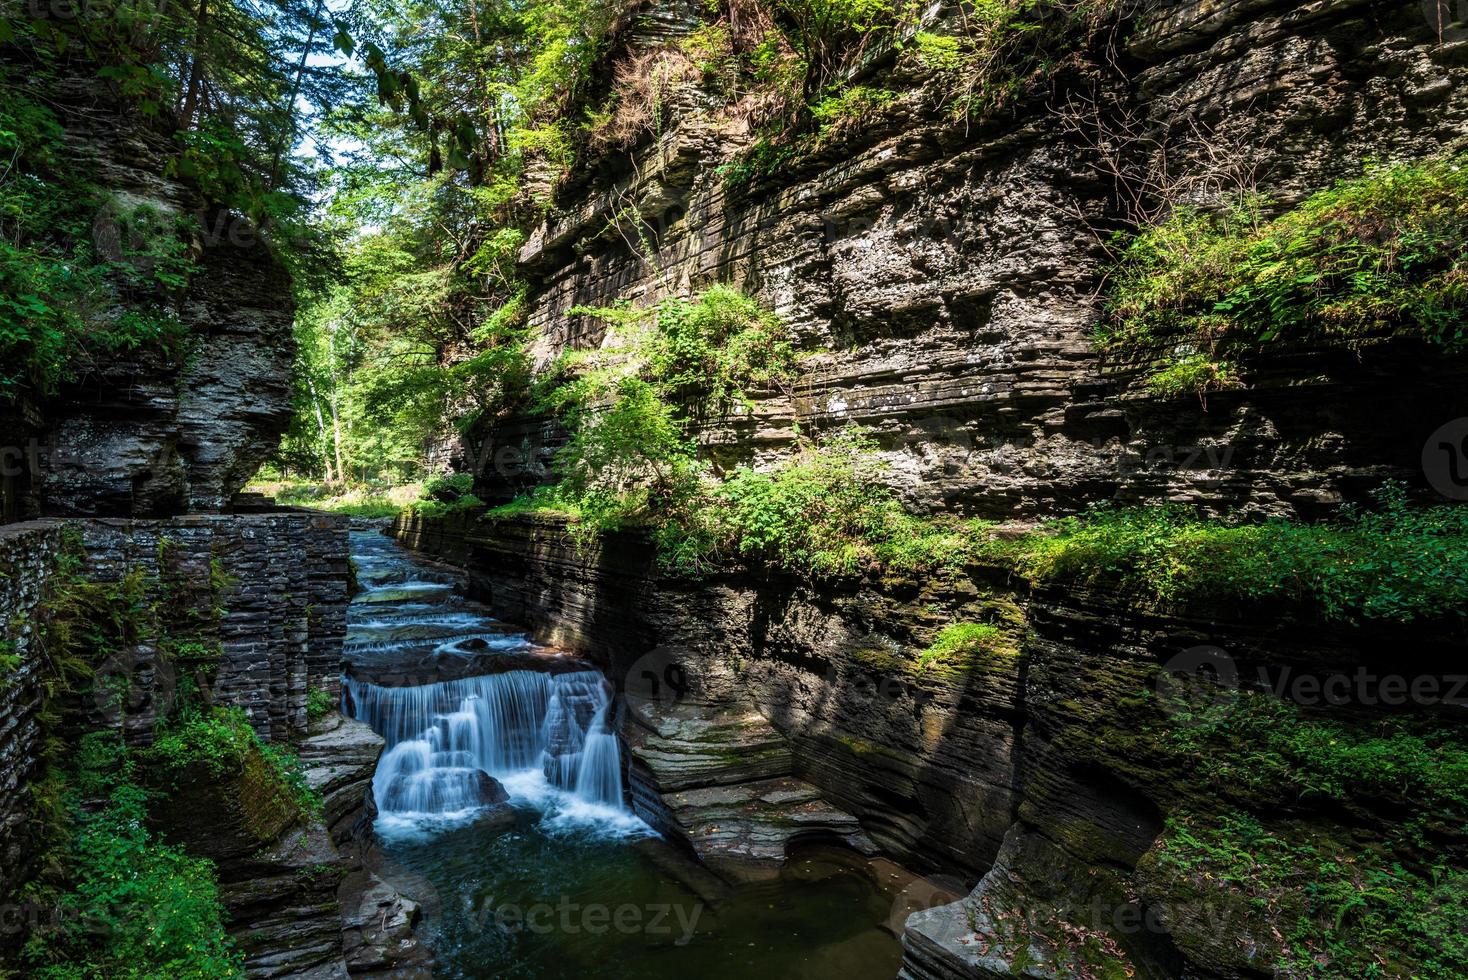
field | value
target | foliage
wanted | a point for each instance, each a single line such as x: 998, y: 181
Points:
x: 134, y: 906
x: 849, y: 105
x: 60, y: 316
x: 1378, y: 256
x: 705, y: 352
x: 825, y: 512
x: 1293, y: 758
x: 448, y: 488
x: 958, y: 645
x: 1331, y: 906
x: 631, y: 407
x: 1396, y: 563
x: 319, y: 703
x: 1001, y: 49
x: 356, y: 500
x: 1196, y: 374
x: 218, y: 87
x: 219, y: 742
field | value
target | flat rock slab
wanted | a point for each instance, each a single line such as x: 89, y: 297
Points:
x: 685, y: 750
x: 740, y: 827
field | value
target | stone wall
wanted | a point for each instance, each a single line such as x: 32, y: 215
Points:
x: 278, y: 630
x: 279, y: 584
x: 28, y: 555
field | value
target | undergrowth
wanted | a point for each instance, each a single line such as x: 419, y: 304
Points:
x: 133, y: 906
x: 1379, y: 256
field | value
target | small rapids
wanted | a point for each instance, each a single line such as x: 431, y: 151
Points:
x: 502, y: 812
x: 528, y: 737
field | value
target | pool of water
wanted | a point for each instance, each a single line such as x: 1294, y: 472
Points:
x: 567, y: 883
x: 550, y: 897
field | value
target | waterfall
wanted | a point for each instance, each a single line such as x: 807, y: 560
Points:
x: 444, y: 739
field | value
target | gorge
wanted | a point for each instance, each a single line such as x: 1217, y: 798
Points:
x: 657, y: 488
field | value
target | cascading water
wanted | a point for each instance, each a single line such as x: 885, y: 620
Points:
x: 456, y: 746
x: 465, y: 727
x: 443, y: 738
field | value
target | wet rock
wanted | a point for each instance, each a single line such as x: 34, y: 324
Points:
x: 443, y: 789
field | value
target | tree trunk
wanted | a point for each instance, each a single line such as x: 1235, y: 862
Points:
x: 288, y: 132
x: 196, y: 68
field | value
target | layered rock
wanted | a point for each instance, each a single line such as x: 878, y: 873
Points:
x: 941, y: 274
x: 28, y: 557
x: 147, y: 431
x: 1042, y: 767
x: 264, y: 594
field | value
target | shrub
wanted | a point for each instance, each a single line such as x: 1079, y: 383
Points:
x: 823, y: 513
x: 1382, y: 255
x: 449, y: 487
x: 221, y: 741
x: 319, y: 703
x: 1003, y: 48
x: 847, y: 106
x: 1395, y: 563
x: 1195, y: 374
x: 134, y: 906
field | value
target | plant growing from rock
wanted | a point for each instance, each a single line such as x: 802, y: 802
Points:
x: 1372, y: 258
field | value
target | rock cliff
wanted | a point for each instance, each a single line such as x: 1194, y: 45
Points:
x: 942, y: 277
x: 149, y: 431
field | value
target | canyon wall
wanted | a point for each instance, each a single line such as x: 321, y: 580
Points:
x: 148, y: 430
x: 252, y: 607
x: 942, y: 277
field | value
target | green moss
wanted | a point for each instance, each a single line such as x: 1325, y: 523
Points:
x: 962, y: 647
x: 864, y: 748
x: 881, y: 660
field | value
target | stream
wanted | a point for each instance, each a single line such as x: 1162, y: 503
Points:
x: 553, y: 876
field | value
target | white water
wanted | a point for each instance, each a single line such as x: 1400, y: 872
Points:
x: 547, y: 738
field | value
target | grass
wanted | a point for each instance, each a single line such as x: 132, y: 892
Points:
x: 367, y: 500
